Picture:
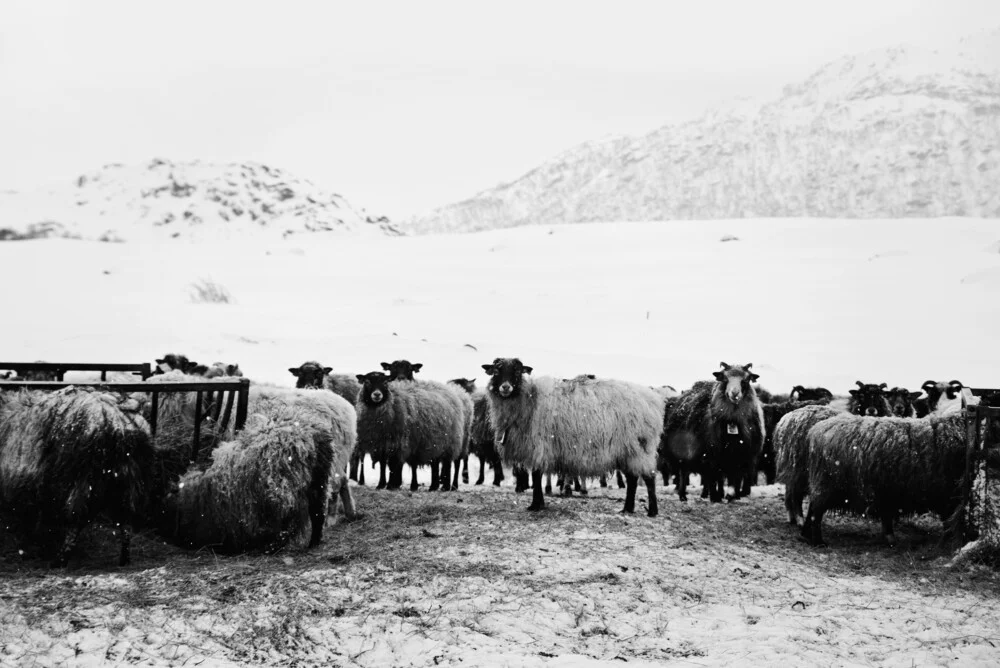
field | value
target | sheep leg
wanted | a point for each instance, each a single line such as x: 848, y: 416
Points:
x: 604, y: 480
x: 548, y: 484
x: 465, y: 470
x: 521, y: 479
x: 581, y: 486
x: 618, y: 477
x: 458, y: 466
x: 125, y: 542
x: 361, y: 470
x: 652, y: 510
x: 395, y: 475
x: 445, y: 475
x: 69, y: 544
x: 632, y: 482
x: 682, y: 482
x: 350, y: 512
x: 482, y: 471
x: 435, y: 478
x: 812, y: 528
x: 537, y: 497
x: 497, y: 472
x: 565, y: 485
x: 381, y: 475
x: 413, y: 478
x: 355, y: 465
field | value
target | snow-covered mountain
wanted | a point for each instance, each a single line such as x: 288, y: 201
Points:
x: 183, y: 200
x: 899, y: 132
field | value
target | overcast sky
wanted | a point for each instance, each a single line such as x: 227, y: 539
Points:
x: 404, y: 106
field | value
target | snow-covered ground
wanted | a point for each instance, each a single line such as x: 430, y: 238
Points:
x: 807, y: 301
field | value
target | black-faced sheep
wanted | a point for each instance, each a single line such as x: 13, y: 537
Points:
x: 313, y: 375
x: 791, y: 449
x: 884, y: 468
x: 416, y: 423
x: 901, y: 401
x: 950, y: 393
x: 716, y: 428
x: 70, y: 455
x: 869, y: 399
x: 271, y: 481
x: 218, y: 370
x: 580, y: 427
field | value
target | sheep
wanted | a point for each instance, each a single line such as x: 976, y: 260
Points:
x: 174, y: 362
x: 772, y: 414
x: 884, y: 467
x: 717, y: 428
x: 869, y: 399
x: 218, y: 370
x: 580, y: 427
x: 68, y: 456
x: 791, y: 449
x: 405, y: 421
x: 480, y: 435
x: 401, y: 369
x: 935, y: 391
x: 271, y: 481
x: 901, y: 401
x: 800, y: 393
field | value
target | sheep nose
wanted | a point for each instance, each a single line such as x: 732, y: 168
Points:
x: 376, y: 396
x: 506, y: 389
x: 735, y: 397
x: 871, y: 411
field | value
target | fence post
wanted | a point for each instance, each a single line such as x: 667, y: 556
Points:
x: 242, y: 404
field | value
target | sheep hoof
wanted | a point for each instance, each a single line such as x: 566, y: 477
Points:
x: 535, y: 507
x: 626, y: 511
x: 652, y: 513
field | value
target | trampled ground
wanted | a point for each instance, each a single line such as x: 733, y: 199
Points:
x: 471, y: 578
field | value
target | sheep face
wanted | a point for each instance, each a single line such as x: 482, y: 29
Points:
x: 220, y: 370
x: 401, y: 369
x: 506, y: 376
x: 901, y: 401
x: 736, y: 381
x: 310, y: 375
x: 467, y: 384
x: 173, y: 362
x: 869, y: 399
x: 374, y: 388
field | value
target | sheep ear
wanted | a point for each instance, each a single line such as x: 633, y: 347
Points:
x: 327, y: 369
x: 853, y: 393
x: 915, y: 395
x: 526, y: 370
x: 490, y: 369
x: 416, y: 367
x: 161, y: 361
x: 232, y: 368
x: 719, y: 375
x: 724, y: 365
x: 753, y: 377
x: 386, y: 366
x: 294, y: 371
x: 883, y: 386
x: 361, y: 378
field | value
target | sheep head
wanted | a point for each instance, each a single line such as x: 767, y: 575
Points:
x: 310, y: 375
x: 869, y: 399
x: 736, y: 381
x: 374, y: 388
x: 506, y: 376
x: 401, y: 369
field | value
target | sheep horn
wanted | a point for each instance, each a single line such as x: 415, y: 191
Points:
x: 860, y: 384
x: 724, y: 365
x: 956, y: 384
x: 747, y: 366
x: 883, y: 386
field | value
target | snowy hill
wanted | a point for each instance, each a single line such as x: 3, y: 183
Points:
x: 899, y: 132
x: 175, y: 200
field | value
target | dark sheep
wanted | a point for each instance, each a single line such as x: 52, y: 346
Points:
x: 884, y: 468
x: 577, y: 428
x: 481, y: 435
x: 935, y: 391
x: 405, y: 421
x: 901, y: 401
x: 174, y: 362
x: 791, y: 453
x: 869, y: 399
x: 716, y: 428
x: 800, y: 393
x: 71, y: 455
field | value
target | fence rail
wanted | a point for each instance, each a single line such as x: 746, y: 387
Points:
x: 214, y: 397
x: 60, y: 368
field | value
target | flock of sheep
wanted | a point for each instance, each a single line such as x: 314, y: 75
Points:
x: 70, y: 456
